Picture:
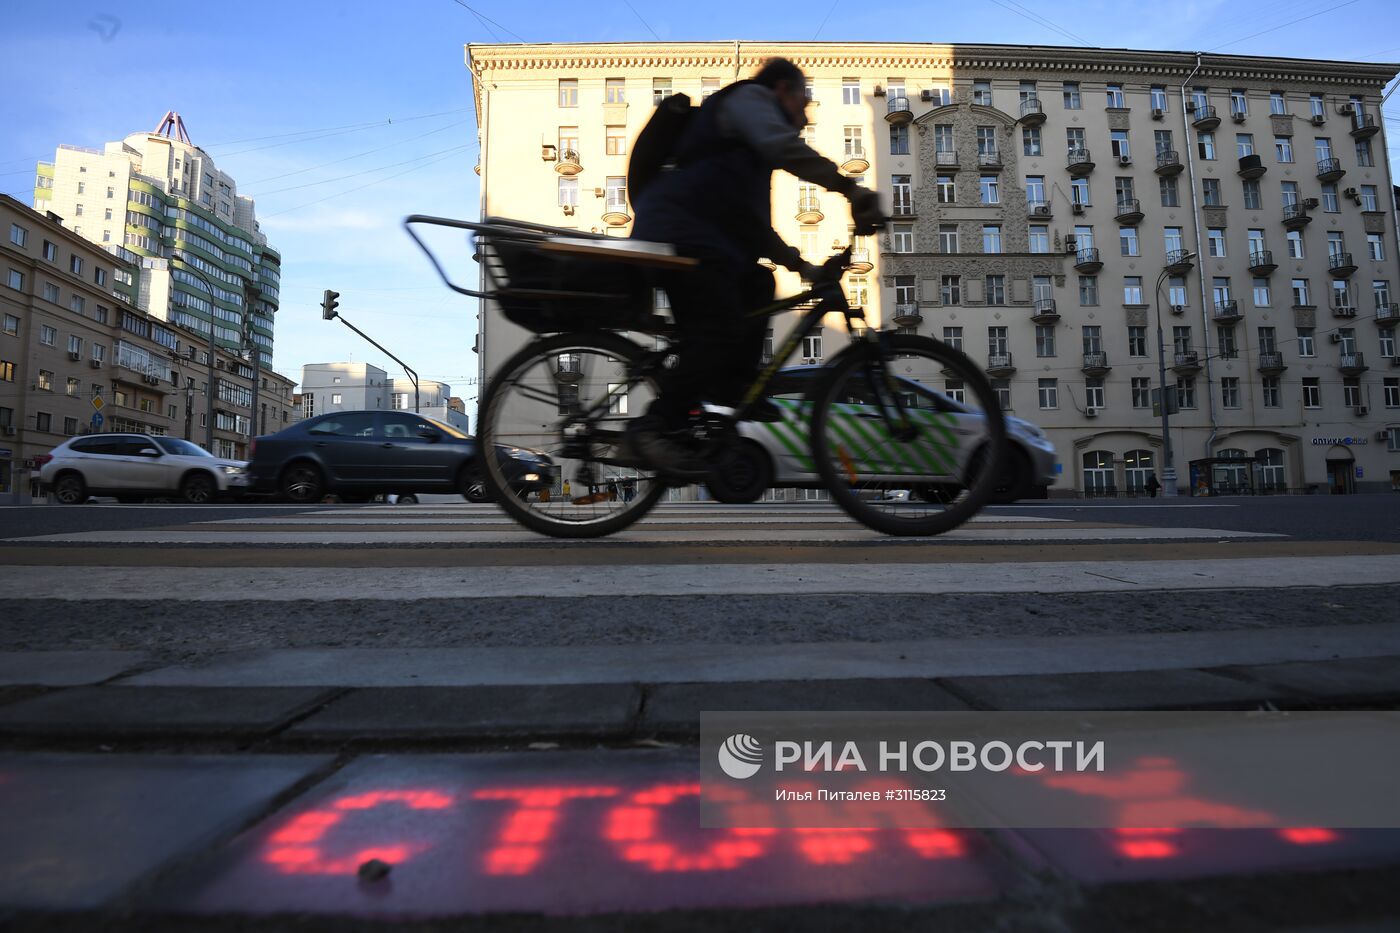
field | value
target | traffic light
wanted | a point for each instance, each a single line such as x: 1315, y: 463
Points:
x: 329, y: 304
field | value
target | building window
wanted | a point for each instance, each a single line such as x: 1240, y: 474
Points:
x: 1079, y: 191
x: 950, y: 290
x: 1368, y: 198
x: 996, y: 289
x: 899, y: 140
x: 1137, y: 340
x: 1141, y: 387
x: 1239, y: 103
x: 1167, y: 187
x: 1210, y: 192
x: 18, y: 235
x: 850, y: 90
x: 1306, y: 347
x: 1071, y: 96
x: 947, y: 238
x: 1045, y: 340
x: 989, y: 190
x: 1225, y: 337
x: 1391, y: 389
x: 947, y: 189
x: 1093, y: 392
x: 1375, y: 246
x: 1181, y: 339
x: 1283, y: 148
x: 1132, y: 289
x: 1276, y: 103
x: 1048, y: 393
x: 1273, y: 397
x: 617, y: 398
x: 1302, y: 296
x: 982, y: 93
x: 615, y: 90
x: 812, y: 345
x: 1252, y: 199
x: 1186, y: 392
x: 1351, y: 392
x: 1158, y: 96
x: 1030, y: 141
x: 1312, y: 392
x: 45, y: 381
x: 1230, y: 392
x: 1363, y: 153
x: 660, y: 89
x: 1128, y: 241
x: 16, y: 280
x: 1205, y: 144
x: 991, y: 238
x: 952, y: 336
x: 615, y: 138
x: 1115, y: 96
x: 1039, y: 239
x: 1215, y: 240
x: 77, y: 303
x: 902, y: 192
x: 1088, y: 291
x: 903, y: 238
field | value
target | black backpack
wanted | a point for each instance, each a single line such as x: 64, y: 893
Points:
x: 656, y: 146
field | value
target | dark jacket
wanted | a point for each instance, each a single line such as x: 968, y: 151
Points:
x: 717, y: 201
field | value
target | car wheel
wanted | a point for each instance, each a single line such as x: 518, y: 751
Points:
x: 473, y: 486
x: 302, y: 483
x: 1015, y: 479
x: 69, y: 489
x: 409, y: 499
x: 742, y: 474
x: 198, y: 489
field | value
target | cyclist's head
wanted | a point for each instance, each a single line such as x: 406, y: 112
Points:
x: 789, y: 84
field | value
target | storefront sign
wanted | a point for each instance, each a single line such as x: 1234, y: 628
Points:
x: 1341, y: 441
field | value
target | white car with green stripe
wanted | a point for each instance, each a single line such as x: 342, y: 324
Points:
x: 780, y: 452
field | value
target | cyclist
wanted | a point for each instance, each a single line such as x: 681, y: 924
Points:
x: 714, y: 205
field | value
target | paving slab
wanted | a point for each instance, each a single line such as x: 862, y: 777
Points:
x: 160, y: 710
x: 557, y: 833
x: 1354, y: 677
x: 65, y: 668
x: 475, y: 712
x: 77, y: 830
x: 1112, y: 690
x: 677, y: 707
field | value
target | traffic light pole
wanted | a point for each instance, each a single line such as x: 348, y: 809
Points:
x: 329, y: 313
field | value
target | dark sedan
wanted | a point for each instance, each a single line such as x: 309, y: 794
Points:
x: 360, y: 454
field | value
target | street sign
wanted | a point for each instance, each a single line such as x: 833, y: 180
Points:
x: 97, y: 403
x: 97, y: 420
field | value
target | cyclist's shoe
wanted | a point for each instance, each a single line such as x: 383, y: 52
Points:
x: 646, y: 440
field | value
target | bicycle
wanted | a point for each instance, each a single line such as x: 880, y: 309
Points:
x: 870, y: 424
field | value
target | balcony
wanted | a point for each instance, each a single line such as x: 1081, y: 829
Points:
x: 1261, y: 262
x: 1168, y: 162
x: 855, y: 162
x: 1187, y: 363
x: 897, y: 111
x: 1295, y: 216
x: 946, y: 159
x: 1329, y: 170
x: 616, y: 213
x: 1129, y: 211
x: 1227, y: 312
x: 907, y: 315
x: 1206, y: 118
x: 1032, y: 113
x: 1087, y: 260
x: 1178, y: 261
x: 568, y: 368
x: 860, y: 261
x: 568, y: 163
x: 1079, y: 162
x: 1343, y: 312
x: 999, y: 364
x: 1095, y: 364
x: 1364, y: 126
x: 1039, y: 210
x: 1387, y: 314
x: 1044, y: 311
x: 809, y: 210
x: 1351, y: 364
x: 1340, y: 265
x: 1251, y: 166
x: 1271, y: 363
x: 989, y: 160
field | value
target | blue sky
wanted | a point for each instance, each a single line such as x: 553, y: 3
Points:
x: 341, y: 118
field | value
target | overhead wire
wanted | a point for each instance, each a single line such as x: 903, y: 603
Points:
x: 358, y: 155
x: 1012, y: 7
x: 644, y: 22
x: 442, y: 158
x: 484, y: 19
x: 378, y: 168
x: 1265, y: 32
x: 829, y: 10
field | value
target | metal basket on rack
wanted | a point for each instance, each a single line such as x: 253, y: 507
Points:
x: 551, y: 280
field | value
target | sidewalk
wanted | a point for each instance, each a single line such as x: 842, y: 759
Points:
x: 137, y: 795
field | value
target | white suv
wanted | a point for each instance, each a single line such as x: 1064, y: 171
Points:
x: 133, y: 467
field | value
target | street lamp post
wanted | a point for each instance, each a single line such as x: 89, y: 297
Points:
x: 209, y: 391
x: 1176, y: 261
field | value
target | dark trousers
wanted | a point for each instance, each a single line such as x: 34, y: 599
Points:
x: 720, y: 344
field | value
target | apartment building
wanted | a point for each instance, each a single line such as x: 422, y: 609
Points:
x: 151, y: 198
x: 78, y: 355
x: 350, y: 386
x: 1055, y: 210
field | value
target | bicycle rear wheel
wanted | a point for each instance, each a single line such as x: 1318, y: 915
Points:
x: 571, y: 395
x: 899, y: 456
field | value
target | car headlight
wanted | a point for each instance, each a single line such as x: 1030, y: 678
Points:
x: 234, y: 470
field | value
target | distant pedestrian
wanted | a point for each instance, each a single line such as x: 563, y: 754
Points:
x: 1152, y: 485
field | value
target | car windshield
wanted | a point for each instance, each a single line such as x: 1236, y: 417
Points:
x: 174, y: 445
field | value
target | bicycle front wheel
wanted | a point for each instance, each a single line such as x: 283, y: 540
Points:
x: 570, y: 396
x: 898, y: 455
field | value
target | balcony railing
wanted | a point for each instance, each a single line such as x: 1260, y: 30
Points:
x: 1087, y: 260
x: 1032, y: 113
x: 1227, y: 311
x: 1352, y: 364
x: 1295, y: 215
x: 1044, y: 311
x: 1129, y: 211
x: 897, y: 111
x: 945, y: 158
x: 568, y: 369
x: 1168, y: 162
x: 855, y: 162
x: 1364, y: 126
x: 1251, y: 166
x: 809, y: 210
x: 1329, y: 169
x: 1340, y: 265
x: 999, y: 364
x: 1095, y: 363
x: 1206, y: 118
x: 1079, y: 162
x: 860, y: 261
x: 615, y: 214
x: 568, y: 162
x: 1387, y: 313
x: 1178, y: 260
x: 990, y: 158
x: 1271, y: 363
x: 1191, y: 360
x: 906, y: 314
x: 1261, y: 262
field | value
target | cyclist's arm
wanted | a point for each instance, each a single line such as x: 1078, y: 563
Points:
x: 784, y: 255
x: 752, y: 114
